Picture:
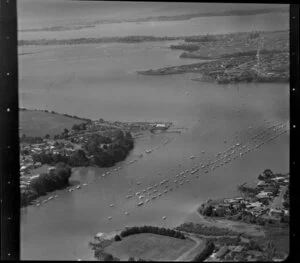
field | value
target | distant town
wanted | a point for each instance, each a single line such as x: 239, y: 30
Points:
x: 234, y: 58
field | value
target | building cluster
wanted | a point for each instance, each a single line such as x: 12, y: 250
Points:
x: 261, y: 205
x: 27, y: 163
x: 234, y: 253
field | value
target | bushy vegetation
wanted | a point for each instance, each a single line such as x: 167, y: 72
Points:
x: 205, y: 253
x: 152, y: 229
x: 226, y: 241
x: 47, y: 182
x: 79, y: 127
x: 286, y: 199
x: 247, y: 191
x: 205, y: 230
x: 117, y: 238
x: 31, y: 139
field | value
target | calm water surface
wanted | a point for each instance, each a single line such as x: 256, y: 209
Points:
x: 99, y: 81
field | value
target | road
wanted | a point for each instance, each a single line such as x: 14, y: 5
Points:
x: 198, y: 247
x: 277, y: 202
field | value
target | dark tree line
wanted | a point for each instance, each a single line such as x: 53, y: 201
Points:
x: 205, y: 253
x: 152, y: 229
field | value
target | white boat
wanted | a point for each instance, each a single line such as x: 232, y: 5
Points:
x: 85, y: 184
x: 111, y: 205
x: 126, y: 213
x: 192, y: 157
x: 109, y: 218
x: 137, y: 193
x: 140, y: 203
x: 164, y: 217
x: 78, y: 186
x: 148, y: 151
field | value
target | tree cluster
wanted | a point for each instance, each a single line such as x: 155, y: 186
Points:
x: 79, y: 127
x: 47, y: 182
x: 30, y: 139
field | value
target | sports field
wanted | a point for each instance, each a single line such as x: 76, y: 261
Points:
x: 149, y: 247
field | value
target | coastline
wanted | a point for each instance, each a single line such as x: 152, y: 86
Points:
x: 162, y: 18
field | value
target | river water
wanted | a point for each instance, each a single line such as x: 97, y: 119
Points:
x: 99, y: 81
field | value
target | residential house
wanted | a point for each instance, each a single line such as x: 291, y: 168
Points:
x: 263, y: 194
x: 276, y: 212
x: 261, y: 184
x: 255, y: 204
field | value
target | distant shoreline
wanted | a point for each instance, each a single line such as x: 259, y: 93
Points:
x: 125, y: 40
x: 57, y: 113
x: 180, y: 17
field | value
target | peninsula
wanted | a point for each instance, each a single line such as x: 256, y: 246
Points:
x: 88, y: 143
x: 237, y: 57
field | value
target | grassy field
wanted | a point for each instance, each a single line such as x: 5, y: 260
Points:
x: 240, y: 227
x: 39, y: 123
x: 149, y: 247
